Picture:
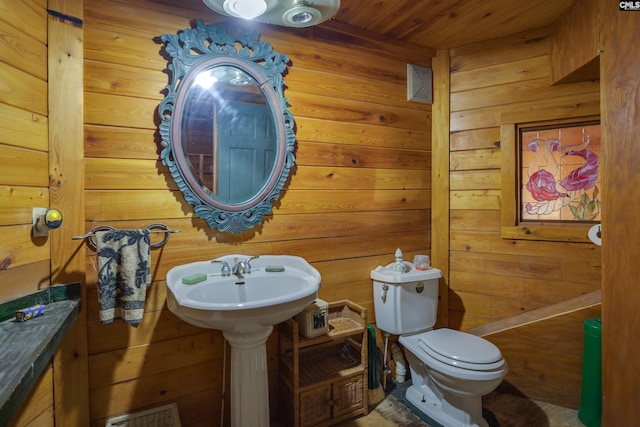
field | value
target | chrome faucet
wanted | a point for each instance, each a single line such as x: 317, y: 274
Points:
x: 242, y: 267
x: 225, y: 271
x: 238, y: 268
x: 247, y: 263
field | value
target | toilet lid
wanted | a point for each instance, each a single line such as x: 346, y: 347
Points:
x: 461, y: 347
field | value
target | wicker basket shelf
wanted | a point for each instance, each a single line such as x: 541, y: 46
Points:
x: 345, y: 319
x: 326, y: 362
x: 324, y: 378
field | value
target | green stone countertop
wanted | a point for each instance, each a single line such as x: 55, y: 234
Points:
x: 27, y: 347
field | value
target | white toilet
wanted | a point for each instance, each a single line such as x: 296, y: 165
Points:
x: 450, y: 370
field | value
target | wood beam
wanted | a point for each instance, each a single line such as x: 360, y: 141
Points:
x: 440, y: 178
x: 66, y: 175
x: 620, y: 94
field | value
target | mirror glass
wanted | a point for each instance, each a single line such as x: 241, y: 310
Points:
x: 228, y: 136
x: 226, y: 130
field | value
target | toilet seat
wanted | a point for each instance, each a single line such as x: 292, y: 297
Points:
x: 461, y: 345
x: 461, y: 349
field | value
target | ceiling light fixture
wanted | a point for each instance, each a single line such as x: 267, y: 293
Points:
x: 300, y: 16
x: 241, y: 79
x: 246, y: 9
x: 289, y: 13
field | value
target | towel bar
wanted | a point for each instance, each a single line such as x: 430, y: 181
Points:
x: 163, y: 229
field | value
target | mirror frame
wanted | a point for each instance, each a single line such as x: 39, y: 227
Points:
x: 203, y: 47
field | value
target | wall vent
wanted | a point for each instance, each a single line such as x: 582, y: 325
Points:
x: 419, y: 84
x: 161, y: 416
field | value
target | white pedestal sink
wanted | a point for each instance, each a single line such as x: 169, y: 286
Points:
x: 245, y: 310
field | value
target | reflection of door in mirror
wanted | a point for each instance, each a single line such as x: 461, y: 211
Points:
x: 246, y: 152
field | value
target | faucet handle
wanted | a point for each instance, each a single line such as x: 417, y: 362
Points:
x: 247, y: 264
x: 226, y: 270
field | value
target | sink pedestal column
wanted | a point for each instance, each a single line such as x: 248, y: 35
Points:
x: 249, y: 377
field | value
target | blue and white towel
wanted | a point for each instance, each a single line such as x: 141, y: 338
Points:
x: 124, y: 274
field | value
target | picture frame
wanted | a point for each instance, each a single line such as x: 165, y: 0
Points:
x: 550, y: 179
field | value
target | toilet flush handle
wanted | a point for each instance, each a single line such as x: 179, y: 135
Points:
x: 383, y: 294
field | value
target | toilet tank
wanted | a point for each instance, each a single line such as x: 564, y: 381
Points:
x: 405, y: 303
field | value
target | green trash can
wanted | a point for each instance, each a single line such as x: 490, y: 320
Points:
x: 590, y: 411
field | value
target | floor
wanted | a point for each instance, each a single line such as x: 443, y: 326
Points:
x: 501, y: 410
x: 515, y: 411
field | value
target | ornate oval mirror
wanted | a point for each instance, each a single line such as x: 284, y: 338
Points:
x: 227, y: 134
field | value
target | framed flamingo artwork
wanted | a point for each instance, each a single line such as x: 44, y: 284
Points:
x: 551, y: 179
x: 559, y: 172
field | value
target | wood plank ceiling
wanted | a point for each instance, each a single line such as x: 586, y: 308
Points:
x: 437, y: 24
x: 444, y: 24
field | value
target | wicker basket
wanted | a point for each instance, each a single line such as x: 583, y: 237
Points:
x: 343, y: 320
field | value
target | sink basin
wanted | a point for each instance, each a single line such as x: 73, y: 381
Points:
x: 261, y: 298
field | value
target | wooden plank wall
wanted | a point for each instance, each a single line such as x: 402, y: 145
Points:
x: 361, y: 189
x: 24, y: 146
x: 24, y: 181
x: 507, y: 81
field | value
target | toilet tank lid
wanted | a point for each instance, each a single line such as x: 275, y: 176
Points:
x: 462, y: 346
x: 389, y: 275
